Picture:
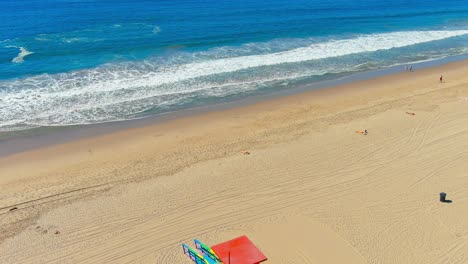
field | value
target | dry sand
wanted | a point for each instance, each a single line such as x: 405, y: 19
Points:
x: 311, y: 190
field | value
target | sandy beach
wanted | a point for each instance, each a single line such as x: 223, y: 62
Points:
x: 292, y: 173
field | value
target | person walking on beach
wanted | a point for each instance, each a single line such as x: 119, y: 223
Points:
x: 441, y: 78
x: 411, y: 68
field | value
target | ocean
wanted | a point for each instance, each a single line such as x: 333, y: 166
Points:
x: 76, y: 62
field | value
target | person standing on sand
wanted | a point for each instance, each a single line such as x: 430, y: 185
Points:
x: 441, y: 78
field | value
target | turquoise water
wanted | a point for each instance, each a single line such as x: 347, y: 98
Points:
x: 71, y: 62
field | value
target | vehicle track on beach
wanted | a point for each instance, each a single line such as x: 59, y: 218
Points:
x: 55, y: 197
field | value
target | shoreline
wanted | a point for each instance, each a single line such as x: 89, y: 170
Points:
x: 37, y: 138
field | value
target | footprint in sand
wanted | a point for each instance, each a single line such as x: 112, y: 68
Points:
x: 45, y: 230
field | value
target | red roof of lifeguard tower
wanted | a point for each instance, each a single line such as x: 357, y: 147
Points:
x: 239, y: 251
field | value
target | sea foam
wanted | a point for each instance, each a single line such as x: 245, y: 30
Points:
x: 23, y: 53
x: 156, y: 30
x: 122, y: 91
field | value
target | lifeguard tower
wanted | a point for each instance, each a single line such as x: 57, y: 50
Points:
x: 236, y: 251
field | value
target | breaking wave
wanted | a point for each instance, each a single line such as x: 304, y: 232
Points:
x: 20, y: 57
x: 129, y: 90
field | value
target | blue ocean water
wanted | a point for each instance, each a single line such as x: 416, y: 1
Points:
x: 68, y: 62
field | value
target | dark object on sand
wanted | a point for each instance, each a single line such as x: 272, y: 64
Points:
x: 14, y: 208
x: 442, y: 197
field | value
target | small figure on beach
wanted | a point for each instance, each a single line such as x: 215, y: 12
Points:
x: 411, y: 68
x: 362, y: 132
x: 441, y: 78
x: 406, y: 68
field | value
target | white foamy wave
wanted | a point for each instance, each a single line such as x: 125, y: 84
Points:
x: 125, y: 78
x: 20, y: 57
x: 122, y: 91
x: 156, y: 30
x: 71, y: 40
x: 43, y: 37
x: 330, y: 49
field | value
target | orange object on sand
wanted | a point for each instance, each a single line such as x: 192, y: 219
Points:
x: 239, y: 251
